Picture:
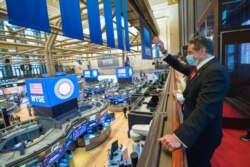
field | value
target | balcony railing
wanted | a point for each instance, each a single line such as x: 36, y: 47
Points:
x: 166, y: 119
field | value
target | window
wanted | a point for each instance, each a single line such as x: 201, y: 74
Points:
x: 207, y: 28
x: 235, y: 13
x: 230, y: 54
x: 1, y: 74
x: 18, y: 72
x: 13, y: 70
x: 245, y: 53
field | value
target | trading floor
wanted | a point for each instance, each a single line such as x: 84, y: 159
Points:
x: 96, y: 157
x: 70, y: 69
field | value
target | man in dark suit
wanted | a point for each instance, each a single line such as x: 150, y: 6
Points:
x: 207, y: 84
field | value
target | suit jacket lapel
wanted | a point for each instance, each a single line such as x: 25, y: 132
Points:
x: 190, y: 83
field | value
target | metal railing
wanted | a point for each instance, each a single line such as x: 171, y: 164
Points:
x: 165, y: 120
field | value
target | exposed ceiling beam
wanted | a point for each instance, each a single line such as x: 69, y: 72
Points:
x: 2, y: 36
x: 2, y: 43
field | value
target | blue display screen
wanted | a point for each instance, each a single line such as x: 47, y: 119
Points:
x: 92, y: 124
x: 108, y: 118
x: 108, y: 95
x: 49, y: 92
x: 101, y: 119
x: 124, y: 96
x: 87, y: 74
x: 79, y: 131
x: 62, y: 89
x: 52, y: 157
x: 116, y: 97
x: 68, y: 141
x: 93, y: 73
x: 129, y: 94
x: 124, y: 72
x: 121, y: 73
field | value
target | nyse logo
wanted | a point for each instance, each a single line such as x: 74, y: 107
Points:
x: 107, y: 61
x: 39, y: 99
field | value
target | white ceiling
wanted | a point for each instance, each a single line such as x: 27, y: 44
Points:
x: 160, y: 11
x: 167, y: 18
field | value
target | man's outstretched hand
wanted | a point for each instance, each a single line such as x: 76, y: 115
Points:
x: 156, y: 40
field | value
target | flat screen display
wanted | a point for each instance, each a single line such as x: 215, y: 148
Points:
x: 101, y: 119
x: 79, y: 131
x: 92, y: 124
x: 52, y: 91
x: 87, y: 74
x: 52, y: 157
x: 124, y: 96
x: 68, y: 141
x: 114, y: 146
x: 124, y: 72
x: 90, y: 74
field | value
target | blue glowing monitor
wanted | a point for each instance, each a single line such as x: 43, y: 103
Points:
x: 90, y: 74
x: 124, y: 72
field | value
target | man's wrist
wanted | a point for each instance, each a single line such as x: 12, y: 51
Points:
x: 165, y: 55
x: 179, y: 140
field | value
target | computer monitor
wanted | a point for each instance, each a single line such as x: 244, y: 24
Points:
x: 114, y: 146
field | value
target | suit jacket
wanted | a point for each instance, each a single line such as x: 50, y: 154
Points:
x: 204, y: 96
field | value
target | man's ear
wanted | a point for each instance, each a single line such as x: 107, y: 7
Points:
x: 203, y: 51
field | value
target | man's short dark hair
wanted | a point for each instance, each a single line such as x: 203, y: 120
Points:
x: 202, y: 42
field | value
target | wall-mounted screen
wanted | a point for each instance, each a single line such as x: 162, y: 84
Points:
x: 124, y: 72
x: 121, y: 73
x: 93, y: 73
x: 87, y: 74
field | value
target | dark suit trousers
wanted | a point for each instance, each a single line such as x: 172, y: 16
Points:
x: 197, y: 157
